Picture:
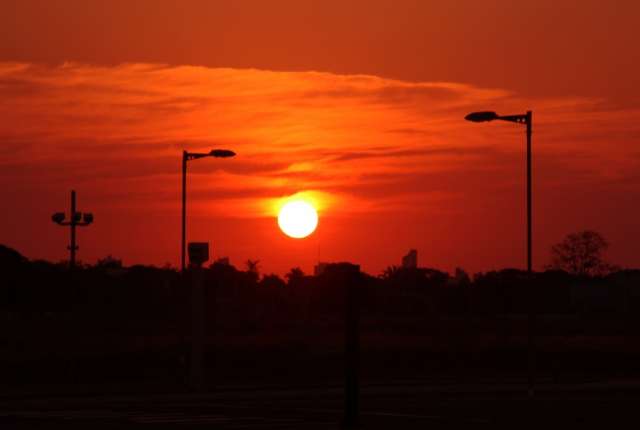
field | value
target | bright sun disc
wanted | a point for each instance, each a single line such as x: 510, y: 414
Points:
x: 298, y: 219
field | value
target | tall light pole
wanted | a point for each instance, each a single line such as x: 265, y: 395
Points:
x: 76, y: 219
x: 526, y: 119
x: 187, y: 156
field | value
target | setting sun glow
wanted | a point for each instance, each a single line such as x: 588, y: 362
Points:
x: 298, y: 219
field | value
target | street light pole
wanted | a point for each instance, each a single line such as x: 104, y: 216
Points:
x: 526, y: 119
x: 186, y: 156
x: 529, y: 117
x: 531, y: 364
x: 196, y: 294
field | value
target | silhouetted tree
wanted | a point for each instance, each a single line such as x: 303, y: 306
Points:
x: 253, y: 270
x: 461, y: 277
x: 272, y: 281
x: 10, y: 258
x: 294, y: 276
x: 501, y: 291
x: 581, y: 254
x: 12, y: 271
x: 109, y: 262
x: 390, y: 272
x: 253, y: 266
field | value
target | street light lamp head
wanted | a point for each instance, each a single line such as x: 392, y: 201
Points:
x: 87, y: 217
x: 222, y: 153
x: 481, y: 116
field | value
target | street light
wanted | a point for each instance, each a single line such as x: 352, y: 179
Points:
x: 526, y: 119
x: 76, y: 219
x: 186, y: 156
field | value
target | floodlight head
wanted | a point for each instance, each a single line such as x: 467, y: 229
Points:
x: 58, y: 217
x: 222, y: 153
x: 87, y: 218
x: 481, y: 116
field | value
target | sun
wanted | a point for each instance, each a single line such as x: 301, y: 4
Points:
x: 298, y: 219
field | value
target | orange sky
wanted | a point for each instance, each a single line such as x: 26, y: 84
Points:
x: 358, y: 105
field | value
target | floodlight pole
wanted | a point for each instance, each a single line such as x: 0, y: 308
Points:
x: 76, y: 219
x: 73, y: 248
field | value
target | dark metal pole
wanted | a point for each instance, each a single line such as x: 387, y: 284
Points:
x: 182, y: 323
x: 531, y: 316
x: 73, y: 247
x: 197, y: 327
x: 352, y: 350
x: 184, y: 210
x: 529, y: 119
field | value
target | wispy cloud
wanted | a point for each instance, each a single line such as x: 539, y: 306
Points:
x: 362, y: 144
x: 126, y: 121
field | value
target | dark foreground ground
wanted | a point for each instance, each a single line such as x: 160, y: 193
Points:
x: 417, y: 404
x: 282, y: 381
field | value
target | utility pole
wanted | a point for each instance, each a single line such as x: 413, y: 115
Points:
x: 76, y: 219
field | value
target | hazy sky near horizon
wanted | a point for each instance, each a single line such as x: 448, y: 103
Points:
x: 357, y: 104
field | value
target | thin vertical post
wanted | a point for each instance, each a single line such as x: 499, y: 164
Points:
x: 529, y: 247
x: 73, y: 247
x: 350, y: 281
x: 183, y: 347
x: 184, y: 211
x: 531, y: 299
x: 197, y: 327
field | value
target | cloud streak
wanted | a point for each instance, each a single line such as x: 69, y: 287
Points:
x: 363, y: 144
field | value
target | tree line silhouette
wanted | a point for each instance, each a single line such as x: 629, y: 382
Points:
x: 577, y: 282
x: 142, y: 313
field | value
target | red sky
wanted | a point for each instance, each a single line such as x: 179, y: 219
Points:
x: 359, y: 105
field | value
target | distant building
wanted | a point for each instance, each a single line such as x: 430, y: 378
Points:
x: 410, y: 261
